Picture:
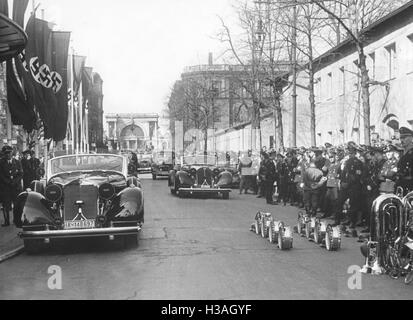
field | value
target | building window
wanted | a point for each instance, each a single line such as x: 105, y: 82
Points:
x: 372, y: 65
x: 224, y: 91
x: 342, y: 82
x: 391, y: 61
x: 329, y: 85
x: 409, y: 56
x: 217, y: 88
x: 356, y: 74
x: 318, y: 90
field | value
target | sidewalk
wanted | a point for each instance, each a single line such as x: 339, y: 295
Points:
x: 10, y: 244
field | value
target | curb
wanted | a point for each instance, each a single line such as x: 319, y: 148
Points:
x: 11, y: 254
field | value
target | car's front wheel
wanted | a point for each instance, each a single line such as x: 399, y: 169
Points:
x: 175, y: 186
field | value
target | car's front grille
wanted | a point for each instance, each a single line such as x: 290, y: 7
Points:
x: 86, y: 193
x: 204, y: 175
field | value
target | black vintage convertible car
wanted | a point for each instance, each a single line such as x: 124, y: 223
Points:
x: 163, y: 163
x: 82, y: 196
x: 197, y: 175
x: 228, y: 162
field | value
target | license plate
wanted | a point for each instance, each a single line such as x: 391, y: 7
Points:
x: 81, y: 224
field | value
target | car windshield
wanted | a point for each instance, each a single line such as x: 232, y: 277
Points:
x: 199, y: 160
x: 232, y: 161
x: 164, y: 156
x: 145, y: 157
x: 86, y: 163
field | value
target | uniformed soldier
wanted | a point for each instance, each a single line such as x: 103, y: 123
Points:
x: 267, y: 174
x: 371, y: 182
x: 303, y: 164
x: 11, y: 174
x: 388, y: 173
x: 350, y: 173
x: 30, y: 167
x: 313, y: 180
x: 331, y: 198
x: 291, y: 162
x: 405, y: 166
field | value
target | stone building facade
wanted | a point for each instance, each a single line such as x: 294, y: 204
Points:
x: 132, y: 131
x: 339, y: 118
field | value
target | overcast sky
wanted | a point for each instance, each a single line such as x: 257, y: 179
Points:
x: 140, y: 47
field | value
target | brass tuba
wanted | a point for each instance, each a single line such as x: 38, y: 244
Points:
x: 387, y: 221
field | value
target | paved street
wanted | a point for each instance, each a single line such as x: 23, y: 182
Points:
x: 197, y: 249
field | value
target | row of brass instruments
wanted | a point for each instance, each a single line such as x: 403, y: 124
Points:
x: 389, y: 249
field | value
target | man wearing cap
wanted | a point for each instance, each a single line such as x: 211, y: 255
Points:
x: 331, y: 198
x: 291, y: 162
x: 313, y: 180
x: 371, y: 182
x: 322, y: 164
x: 11, y: 174
x: 405, y: 166
x: 350, y: 173
x: 267, y: 175
x: 30, y: 167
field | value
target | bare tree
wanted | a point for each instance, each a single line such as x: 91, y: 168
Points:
x: 193, y: 102
x: 259, y: 51
x: 353, y: 17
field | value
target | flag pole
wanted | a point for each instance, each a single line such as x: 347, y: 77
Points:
x: 81, y: 118
x: 72, y: 103
x: 87, y: 130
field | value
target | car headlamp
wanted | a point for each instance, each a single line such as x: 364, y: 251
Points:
x: 54, y: 193
x: 101, y: 220
x: 106, y: 191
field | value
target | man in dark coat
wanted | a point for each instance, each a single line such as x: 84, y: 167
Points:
x: 30, y: 167
x: 11, y: 174
x: 371, y: 183
x: 405, y: 166
x: 351, y: 174
x: 267, y: 174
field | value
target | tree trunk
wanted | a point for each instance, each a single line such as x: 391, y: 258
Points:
x: 365, y: 94
x: 312, y: 105
x: 311, y: 87
x: 255, y: 125
x: 278, y: 119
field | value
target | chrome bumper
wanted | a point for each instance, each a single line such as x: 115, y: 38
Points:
x: 79, y: 233
x: 202, y: 190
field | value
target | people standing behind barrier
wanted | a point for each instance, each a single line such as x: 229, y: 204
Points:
x: 267, y: 175
x: 351, y: 173
x: 30, y: 165
x: 405, y: 166
x: 11, y: 174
